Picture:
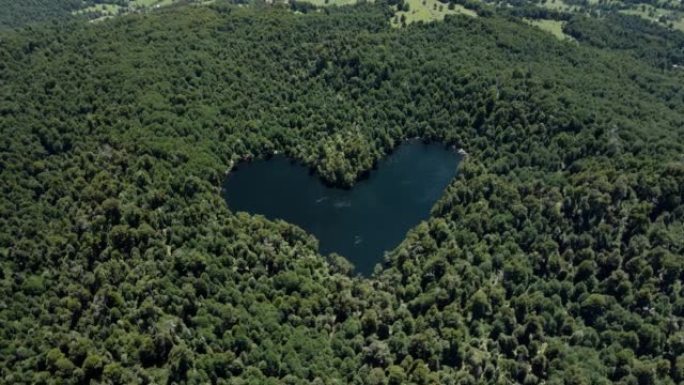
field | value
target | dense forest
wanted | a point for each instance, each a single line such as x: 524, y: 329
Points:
x: 16, y: 13
x: 641, y: 38
x: 556, y: 256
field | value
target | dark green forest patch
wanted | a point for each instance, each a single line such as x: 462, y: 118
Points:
x: 555, y: 256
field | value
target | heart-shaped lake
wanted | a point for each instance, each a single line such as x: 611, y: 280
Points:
x: 360, y: 223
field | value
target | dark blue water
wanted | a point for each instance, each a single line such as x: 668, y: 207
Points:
x: 361, y: 223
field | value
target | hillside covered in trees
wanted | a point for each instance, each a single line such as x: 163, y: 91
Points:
x: 22, y: 13
x: 15, y: 13
x: 556, y: 256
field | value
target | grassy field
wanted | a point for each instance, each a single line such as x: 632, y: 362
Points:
x: 107, y: 10
x: 421, y: 10
x: 151, y: 3
x: 556, y: 5
x: 103, y: 9
x: 597, y: 2
x: 321, y: 3
x: 427, y: 11
x: 655, y: 14
x: 646, y: 12
x: 555, y: 27
x: 679, y: 24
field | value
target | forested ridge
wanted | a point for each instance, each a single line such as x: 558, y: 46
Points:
x: 556, y: 256
x: 16, y: 13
